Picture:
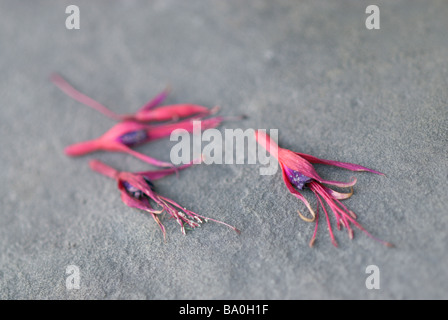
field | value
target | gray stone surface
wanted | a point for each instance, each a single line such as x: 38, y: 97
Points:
x: 309, y: 68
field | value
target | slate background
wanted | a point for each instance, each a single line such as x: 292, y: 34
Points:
x: 308, y: 68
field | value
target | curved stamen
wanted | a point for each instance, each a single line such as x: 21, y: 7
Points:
x: 340, y: 183
x: 153, y: 211
x: 161, y: 226
x: 339, y: 195
x: 313, y: 214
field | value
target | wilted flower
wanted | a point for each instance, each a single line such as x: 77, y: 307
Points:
x: 298, y: 173
x: 146, y: 113
x: 124, y: 135
x: 137, y: 191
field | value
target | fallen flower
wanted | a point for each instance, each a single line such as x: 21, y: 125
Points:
x: 124, y: 135
x: 146, y: 113
x: 137, y: 191
x: 298, y: 173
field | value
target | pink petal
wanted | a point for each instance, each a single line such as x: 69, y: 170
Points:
x: 338, y: 195
x: 103, y: 168
x: 165, y: 130
x: 170, y: 112
x: 345, y: 165
x: 108, y: 141
x: 339, y: 183
x: 156, y: 100
x: 138, y: 182
x: 266, y: 142
x: 148, y: 159
x: 138, y: 204
x: 122, y: 128
x: 82, y: 98
x: 158, y: 174
x: 82, y: 148
x: 286, y: 157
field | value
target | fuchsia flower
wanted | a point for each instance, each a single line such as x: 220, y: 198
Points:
x: 137, y: 191
x: 124, y: 135
x: 146, y: 113
x: 298, y: 172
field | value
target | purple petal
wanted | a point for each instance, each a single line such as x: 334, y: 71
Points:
x: 296, y: 178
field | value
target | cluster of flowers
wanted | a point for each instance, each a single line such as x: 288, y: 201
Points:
x: 137, y: 188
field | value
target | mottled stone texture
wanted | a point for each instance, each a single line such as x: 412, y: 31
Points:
x: 311, y: 69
